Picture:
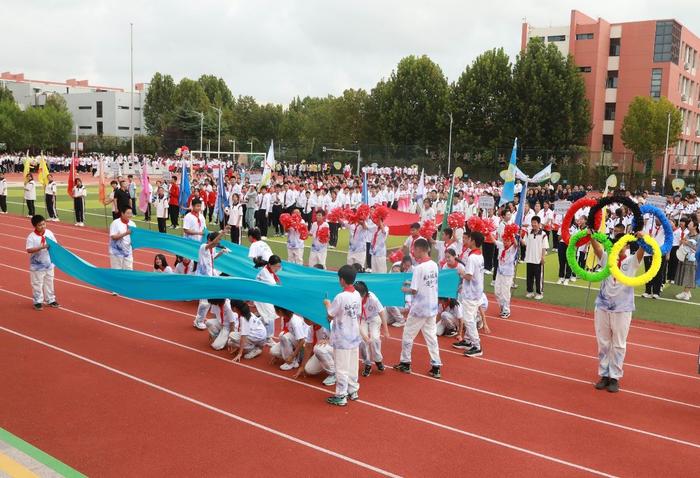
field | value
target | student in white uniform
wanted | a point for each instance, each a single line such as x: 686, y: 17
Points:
x: 295, y: 246
x: 470, y: 297
x: 373, y: 326
x: 205, y: 267
x: 424, y: 307
x: 318, y: 356
x: 249, y: 341
x: 378, y: 234
x: 292, y: 342
x: 183, y: 265
x: 3, y: 193
x: 30, y: 194
x: 507, y: 250
x: 408, y: 249
x: 224, y: 321
x: 449, y: 316
x: 267, y: 312
x: 258, y: 251
x: 235, y: 217
x: 41, y: 269
x: 319, y: 245
x: 160, y: 264
x: 344, y: 315
x: 536, y: 247
x: 194, y: 222
x: 50, y: 195
x: 120, y: 251
x: 357, y: 246
x: 613, y: 314
x: 160, y: 201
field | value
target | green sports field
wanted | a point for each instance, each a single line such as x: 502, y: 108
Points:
x: 667, y: 309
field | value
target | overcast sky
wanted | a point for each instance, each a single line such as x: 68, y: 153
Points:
x: 275, y: 50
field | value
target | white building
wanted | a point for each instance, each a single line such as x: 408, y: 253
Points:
x: 99, y: 110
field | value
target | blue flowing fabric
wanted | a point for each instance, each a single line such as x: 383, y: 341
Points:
x: 324, y: 283
x: 159, y: 286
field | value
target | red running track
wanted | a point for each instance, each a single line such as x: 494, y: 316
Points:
x: 166, y: 400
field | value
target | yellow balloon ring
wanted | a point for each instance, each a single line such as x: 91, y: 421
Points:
x: 641, y: 279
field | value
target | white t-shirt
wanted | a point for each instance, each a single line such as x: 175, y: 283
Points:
x: 535, y: 246
x: 425, y: 282
x: 615, y: 296
x: 259, y: 249
x: 298, y: 328
x: 473, y: 289
x: 253, y: 328
x: 181, y: 268
x: 39, y: 261
x: 227, y: 317
x: 371, y: 307
x: 30, y: 191
x: 120, y: 247
x: 195, y: 224
x: 205, y: 261
x: 345, y: 327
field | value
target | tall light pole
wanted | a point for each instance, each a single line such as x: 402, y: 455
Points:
x: 131, y: 95
x: 449, y: 149
x: 251, y: 145
x: 201, y: 130
x: 663, y: 176
x: 218, y: 144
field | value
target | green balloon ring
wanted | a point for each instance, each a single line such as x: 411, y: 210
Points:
x: 573, y: 263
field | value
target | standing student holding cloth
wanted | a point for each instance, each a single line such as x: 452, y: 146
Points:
x: 194, y: 223
x: 41, y: 271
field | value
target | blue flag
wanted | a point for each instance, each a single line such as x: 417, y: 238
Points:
x: 365, y: 193
x: 221, y: 197
x: 508, y: 191
x: 184, y: 189
x: 521, y: 206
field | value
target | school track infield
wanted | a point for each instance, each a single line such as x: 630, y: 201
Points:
x: 112, y: 386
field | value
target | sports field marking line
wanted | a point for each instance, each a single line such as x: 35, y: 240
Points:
x: 506, y: 364
x: 203, y: 404
x: 576, y: 314
x: 326, y: 391
x: 447, y: 427
x: 14, y: 469
x: 488, y: 336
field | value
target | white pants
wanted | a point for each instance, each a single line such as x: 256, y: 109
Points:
x: 202, y: 310
x: 295, y: 256
x: 234, y: 340
x: 218, y: 333
x: 448, y: 322
x: 346, y: 371
x: 268, y: 315
x: 321, y: 360
x: 284, y: 348
x: 611, y: 330
x: 502, y: 291
x: 356, y: 258
x: 427, y: 326
x: 394, y: 314
x: 42, y: 286
x: 123, y: 263
x: 470, y: 310
x: 371, y: 351
x: 379, y: 264
x: 318, y: 258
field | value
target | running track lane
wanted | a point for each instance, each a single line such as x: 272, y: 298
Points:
x: 532, y: 429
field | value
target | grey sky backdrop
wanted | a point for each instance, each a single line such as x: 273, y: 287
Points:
x: 275, y: 50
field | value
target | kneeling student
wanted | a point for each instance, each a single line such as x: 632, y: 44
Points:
x: 373, y: 317
x: 291, y: 343
x: 318, y: 355
x: 223, y: 322
x: 449, y: 315
x: 252, y: 336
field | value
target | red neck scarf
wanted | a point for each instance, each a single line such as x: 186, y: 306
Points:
x: 476, y: 252
x: 269, y: 269
x: 124, y: 221
x: 422, y: 260
x: 505, y: 249
x: 413, y: 239
x: 363, y: 313
x: 376, y: 233
x: 349, y: 288
x: 42, y: 235
x: 199, y: 221
x: 187, y: 267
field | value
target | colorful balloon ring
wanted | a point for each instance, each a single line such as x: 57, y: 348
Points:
x: 665, y: 223
x: 631, y: 205
x: 573, y: 263
x: 641, y: 279
x: 569, y: 216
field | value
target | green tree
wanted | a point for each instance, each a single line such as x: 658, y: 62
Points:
x: 350, y: 116
x: 37, y: 125
x: 644, y: 128
x: 549, y: 102
x: 11, y: 132
x: 481, y: 102
x: 6, y: 94
x: 60, y: 123
x: 216, y: 90
x: 159, y: 105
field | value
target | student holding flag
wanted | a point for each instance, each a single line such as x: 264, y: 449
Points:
x: 79, y: 195
x: 50, y: 195
x: 29, y: 192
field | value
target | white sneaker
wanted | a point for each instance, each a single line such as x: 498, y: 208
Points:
x: 270, y: 342
x: 329, y: 381
x: 566, y: 281
x: 654, y: 296
x: 253, y: 353
x: 399, y: 323
x: 264, y: 238
x: 200, y: 325
x: 514, y: 286
x: 646, y: 295
x: 289, y: 366
x: 493, y: 283
x: 530, y: 295
x: 539, y: 297
x: 573, y: 279
x: 560, y: 281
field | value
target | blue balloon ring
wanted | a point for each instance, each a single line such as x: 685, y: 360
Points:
x: 665, y: 223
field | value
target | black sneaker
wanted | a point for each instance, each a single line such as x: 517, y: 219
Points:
x: 367, y: 370
x: 505, y: 315
x: 462, y: 344
x: 54, y: 304
x: 613, y: 386
x: 38, y: 307
x: 403, y: 367
x: 380, y: 366
x: 602, y: 383
x: 435, y: 372
x: 473, y: 352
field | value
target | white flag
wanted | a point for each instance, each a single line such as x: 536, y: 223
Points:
x: 420, y: 190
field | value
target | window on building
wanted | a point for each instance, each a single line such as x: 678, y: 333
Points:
x: 584, y: 36
x: 84, y: 107
x: 137, y: 108
x: 98, y: 107
x: 137, y: 129
x: 85, y: 127
x: 611, y: 82
x: 100, y: 128
x: 656, y: 82
x: 584, y: 69
x: 610, y: 111
x: 124, y: 128
x: 614, y: 47
x: 556, y: 38
x: 607, y: 142
x: 123, y: 107
x: 667, y: 42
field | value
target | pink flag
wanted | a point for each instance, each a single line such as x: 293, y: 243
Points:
x: 146, y: 190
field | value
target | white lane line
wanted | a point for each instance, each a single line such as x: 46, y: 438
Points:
x: 199, y: 403
x: 473, y: 389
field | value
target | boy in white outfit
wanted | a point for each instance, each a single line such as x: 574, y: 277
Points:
x: 373, y: 319
x: 40, y: 265
x: 507, y: 250
x: 292, y: 342
x: 319, y: 246
x: 222, y: 324
x: 318, y: 355
x: 344, y: 314
x: 470, y: 296
x: 424, y: 308
x: 378, y: 235
x: 252, y: 336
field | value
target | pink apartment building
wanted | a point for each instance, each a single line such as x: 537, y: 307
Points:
x: 622, y: 60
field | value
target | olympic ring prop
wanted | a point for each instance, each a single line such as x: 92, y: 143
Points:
x: 569, y: 216
x: 573, y: 263
x: 668, y: 229
x: 641, y: 279
x: 633, y: 206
